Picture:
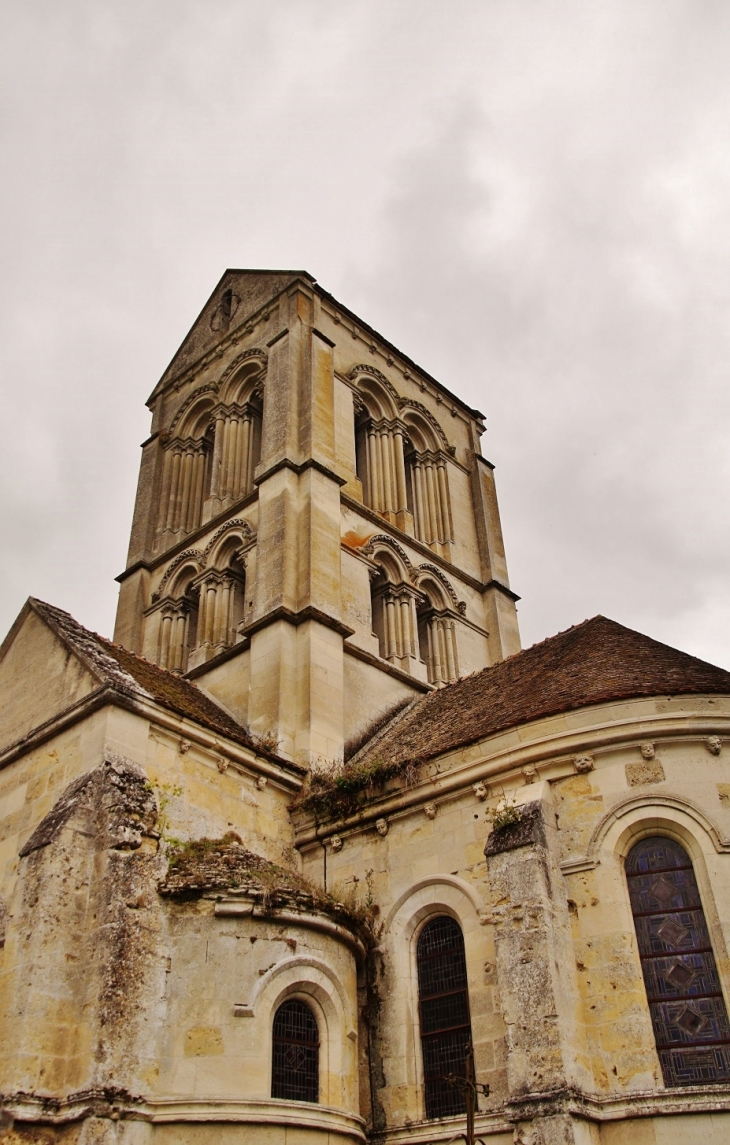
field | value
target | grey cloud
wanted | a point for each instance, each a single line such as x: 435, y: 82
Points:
x: 530, y: 198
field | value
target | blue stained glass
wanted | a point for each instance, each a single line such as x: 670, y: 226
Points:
x: 680, y: 974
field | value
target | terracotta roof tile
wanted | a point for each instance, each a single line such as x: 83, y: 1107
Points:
x: 592, y: 663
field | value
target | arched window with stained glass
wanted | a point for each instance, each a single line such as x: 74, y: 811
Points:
x: 443, y: 1003
x: 295, y: 1053
x: 680, y: 973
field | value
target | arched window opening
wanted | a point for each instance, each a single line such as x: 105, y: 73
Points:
x: 437, y: 643
x: 394, y: 621
x: 680, y: 974
x: 361, y: 456
x: 427, y: 486
x: 377, y: 588
x: 443, y: 1004
x: 380, y: 465
x: 185, y: 481
x: 237, y: 449
x: 178, y: 629
x: 295, y: 1056
x: 221, y: 610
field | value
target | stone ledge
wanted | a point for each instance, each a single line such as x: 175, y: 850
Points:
x: 526, y: 831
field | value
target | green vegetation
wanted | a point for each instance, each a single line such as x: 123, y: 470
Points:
x: 338, y: 791
x: 202, y: 865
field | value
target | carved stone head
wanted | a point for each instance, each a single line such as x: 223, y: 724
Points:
x: 648, y: 751
x: 429, y: 810
x: 713, y: 745
x: 583, y: 764
x: 335, y: 843
x: 381, y: 826
x: 481, y: 791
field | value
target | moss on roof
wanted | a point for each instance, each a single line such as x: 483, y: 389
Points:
x: 132, y: 675
x: 592, y: 663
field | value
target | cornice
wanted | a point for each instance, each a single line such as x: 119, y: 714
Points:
x: 553, y: 754
x: 83, y: 708
x: 386, y: 666
x: 253, y: 757
x: 117, y: 1104
x: 299, y: 467
x: 297, y: 617
x: 151, y: 563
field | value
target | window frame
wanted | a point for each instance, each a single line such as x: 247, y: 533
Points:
x: 295, y: 999
x: 662, y: 1004
x: 430, y: 920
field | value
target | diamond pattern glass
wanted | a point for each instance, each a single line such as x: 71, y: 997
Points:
x: 295, y: 1065
x: 680, y: 974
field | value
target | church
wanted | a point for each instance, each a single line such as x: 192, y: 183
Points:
x: 312, y: 853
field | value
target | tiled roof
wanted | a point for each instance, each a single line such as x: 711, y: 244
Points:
x: 134, y: 676
x: 592, y: 663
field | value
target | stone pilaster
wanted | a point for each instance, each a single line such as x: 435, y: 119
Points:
x: 537, y: 977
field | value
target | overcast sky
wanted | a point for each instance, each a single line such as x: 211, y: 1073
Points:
x: 530, y: 198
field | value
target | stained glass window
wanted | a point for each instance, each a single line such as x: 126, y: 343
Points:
x: 444, y: 1013
x: 295, y: 1066
x: 682, y: 984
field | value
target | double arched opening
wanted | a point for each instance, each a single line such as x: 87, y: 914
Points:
x: 402, y: 463
x: 212, y: 451
x: 414, y: 617
x: 203, y: 605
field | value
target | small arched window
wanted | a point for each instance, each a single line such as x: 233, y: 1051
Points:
x: 295, y: 1056
x: 680, y: 975
x: 443, y: 1004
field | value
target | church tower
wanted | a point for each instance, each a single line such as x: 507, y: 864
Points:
x: 316, y: 539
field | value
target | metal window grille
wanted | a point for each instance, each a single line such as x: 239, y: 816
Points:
x: 682, y: 984
x: 443, y: 1002
x: 295, y: 1065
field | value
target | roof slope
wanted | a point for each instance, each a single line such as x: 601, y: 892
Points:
x: 251, y: 289
x: 134, y: 676
x: 592, y: 663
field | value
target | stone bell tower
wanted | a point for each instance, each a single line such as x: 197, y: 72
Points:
x: 316, y: 538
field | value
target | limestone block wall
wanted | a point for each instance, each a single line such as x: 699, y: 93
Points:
x: 428, y: 862
x: 217, y: 1038
x: 126, y: 1004
x: 557, y: 996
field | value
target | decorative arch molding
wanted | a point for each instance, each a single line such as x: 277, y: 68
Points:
x: 237, y: 524
x: 251, y: 356
x: 406, y: 404
x: 193, y: 555
x: 650, y: 802
x: 214, y: 388
x: 382, y: 540
x: 209, y: 388
x: 416, y: 890
x: 372, y: 372
x: 295, y: 969
x: 431, y: 570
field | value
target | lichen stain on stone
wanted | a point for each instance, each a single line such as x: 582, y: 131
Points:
x: 578, y: 806
x: 203, y: 1041
x: 648, y: 771
x: 90, y: 911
